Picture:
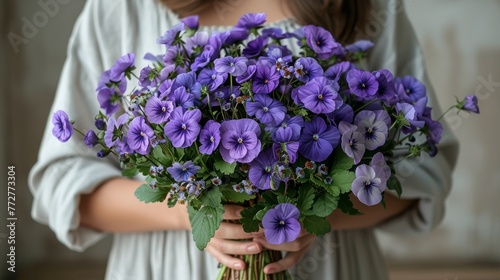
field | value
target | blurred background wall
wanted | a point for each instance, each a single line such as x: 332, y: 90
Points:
x: 461, y: 43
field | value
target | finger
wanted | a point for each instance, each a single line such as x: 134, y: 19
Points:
x: 290, y: 260
x: 225, y: 259
x: 233, y: 231
x: 236, y: 247
x: 232, y: 212
x: 293, y: 246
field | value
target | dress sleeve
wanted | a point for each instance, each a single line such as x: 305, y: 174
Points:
x: 426, y: 179
x: 64, y: 171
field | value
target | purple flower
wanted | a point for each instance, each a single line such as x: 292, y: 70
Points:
x: 182, y: 172
x: 233, y: 66
x: 188, y: 81
x: 318, y: 140
x: 374, y: 126
x: 362, y: 83
x: 210, y: 137
x: 165, y: 88
x: 321, y: 41
x: 114, y: 130
x: 182, y: 98
x: 211, y: 78
x: 268, y: 111
x: 170, y: 35
x: 294, y: 124
x: 410, y: 89
x: 240, y: 140
x: 248, y: 75
x: 343, y: 113
x: 183, y: 127
x: 106, y: 82
x: 255, y: 47
x: 380, y: 167
x: 196, y: 43
x: 122, y: 147
x: 281, y: 224
x: 109, y: 100
x: 191, y: 22
x: 265, y: 79
x: 63, y: 129
x: 469, y: 104
x: 359, y: 46
x: 410, y: 115
x: 204, y: 58
x: 261, y: 170
x: 285, y: 135
x: 306, y: 69
x: 320, y: 96
x: 338, y: 69
x: 368, y: 186
x: 139, y: 135
x: 386, y: 87
x: 122, y: 66
x: 237, y: 34
x: 353, y: 142
x: 100, y: 124
x: 224, y: 93
x: 90, y: 139
x: 216, y: 41
x: 275, y: 33
x: 251, y: 20
x: 158, y: 111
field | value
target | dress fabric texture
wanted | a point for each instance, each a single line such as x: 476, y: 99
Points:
x: 107, y: 30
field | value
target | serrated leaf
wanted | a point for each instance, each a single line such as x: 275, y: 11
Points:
x: 247, y: 221
x: 316, y: 225
x: 394, y: 184
x: 204, y: 223
x: 325, y: 204
x: 130, y: 172
x: 306, y: 198
x: 285, y: 199
x: 346, y: 206
x: 229, y: 194
x: 211, y: 198
x: 270, y: 197
x: 318, y: 181
x: 259, y: 215
x: 341, y: 161
x: 224, y: 167
x: 343, y: 180
x: 148, y: 195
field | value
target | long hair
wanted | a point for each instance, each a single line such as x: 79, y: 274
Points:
x: 340, y: 17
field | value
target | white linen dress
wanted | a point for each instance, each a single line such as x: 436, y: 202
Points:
x: 108, y: 29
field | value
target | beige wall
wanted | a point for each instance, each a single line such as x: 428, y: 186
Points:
x: 462, y: 47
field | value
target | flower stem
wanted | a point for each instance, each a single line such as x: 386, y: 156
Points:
x: 443, y: 114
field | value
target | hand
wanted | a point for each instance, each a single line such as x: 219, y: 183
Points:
x: 227, y: 240
x: 295, y: 251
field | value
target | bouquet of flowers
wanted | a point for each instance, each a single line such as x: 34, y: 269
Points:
x: 235, y: 117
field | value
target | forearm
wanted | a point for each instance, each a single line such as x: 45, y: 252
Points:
x: 372, y: 215
x: 113, y: 207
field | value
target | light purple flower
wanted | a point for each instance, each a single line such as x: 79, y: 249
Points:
x: 139, y: 136
x: 114, y: 130
x: 123, y: 65
x: 268, y: 111
x: 182, y: 98
x: 410, y: 115
x: 380, y: 166
x: 109, y: 100
x: 261, y: 170
x: 182, y: 172
x: 197, y: 42
x: 410, y: 89
x: 240, y: 140
x: 266, y: 79
x: 191, y: 22
x: 251, y: 20
x: 306, y: 69
x: 320, y: 96
x: 281, y: 224
x: 359, y: 46
x: 362, y: 83
x: 318, y: 140
x: 63, y: 129
x: 210, y: 137
x: 367, y: 186
x: 183, y: 127
x: 204, y: 58
x: 158, y: 111
x: 90, y: 139
x: 352, y: 142
x: 321, y: 41
x: 338, y: 69
x: 233, y: 66
x: 251, y: 69
x: 211, y: 78
x: 188, y: 81
x: 470, y: 104
x: 374, y: 126
x: 170, y: 35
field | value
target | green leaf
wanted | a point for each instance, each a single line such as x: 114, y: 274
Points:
x: 270, y: 197
x: 343, y: 180
x: 345, y: 204
x: 318, y: 181
x: 211, y: 197
x: 259, y: 215
x: 325, y: 204
x: 306, y: 198
x: 341, y: 162
x: 285, y: 199
x: 316, y: 225
x: 248, y: 214
x: 147, y: 195
x: 394, y: 184
x: 229, y: 194
x: 130, y: 172
x: 204, y: 223
x: 224, y: 167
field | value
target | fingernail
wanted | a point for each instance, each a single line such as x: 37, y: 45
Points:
x: 253, y: 248
x: 238, y: 265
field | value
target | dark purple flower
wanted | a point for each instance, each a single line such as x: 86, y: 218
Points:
x: 211, y: 78
x: 170, y: 35
x: 240, y: 140
x: 318, y: 140
x: 182, y: 98
x: 321, y: 41
x: 183, y: 127
x: 103, y: 153
x: 109, y: 100
x: 210, y: 137
x: 100, y: 124
x: 265, y: 80
x: 268, y: 111
x: 368, y: 186
x: 435, y: 129
x: 320, y: 96
x: 90, y: 139
x: 295, y: 124
x: 374, y: 126
x: 255, y: 47
x: 261, y: 170
x: 285, y: 135
x: 237, y: 34
x: 306, y: 69
x: 469, y: 104
x: 114, y: 130
x: 191, y: 22
x: 410, y: 89
x: 251, y: 20
x: 63, y: 129
x: 233, y: 66
x: 223, y: 94
x: 343, y: 113
x: 139, y: 135
x: 281, y: 224
x: 158, y: 111
x: 353, y: 142
x: 359, y: 46
x: 362, y: 83
x: 275, y: 33
x: 386, y: 87
x: 188, y: 81
x: 182, y: 172
x: 338, y: 69
x: 251, y: 69
x: 122, y: 66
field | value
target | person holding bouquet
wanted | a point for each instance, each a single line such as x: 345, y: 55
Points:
x: 83, y: 198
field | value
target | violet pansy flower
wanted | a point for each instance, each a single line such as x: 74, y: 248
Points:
x: 306, y: 69
x: 183, y: 127
x: 321, y: 41
x: 265, y: 79
x: 123, y: 65
x: 268, y: 111
x: 240, y: 140
x: 210, y: 137
x: 368, y: 186
x: 281, y: 224
x: 251, y: 20
x: 139, y: 136
x: 469, y: 104
x: 114, y: 130
x: 183, y: 172
x: 410, y: 89
x: 320, y: 96
x: 235, y: 66
x: 318, y: 140
x: 63, y: 129
x: 352, y: 142
x: 90, y: 139
x: 261, y: 170
x: 374, y: 126
x: 158, y: 111
x: 362, y: 84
